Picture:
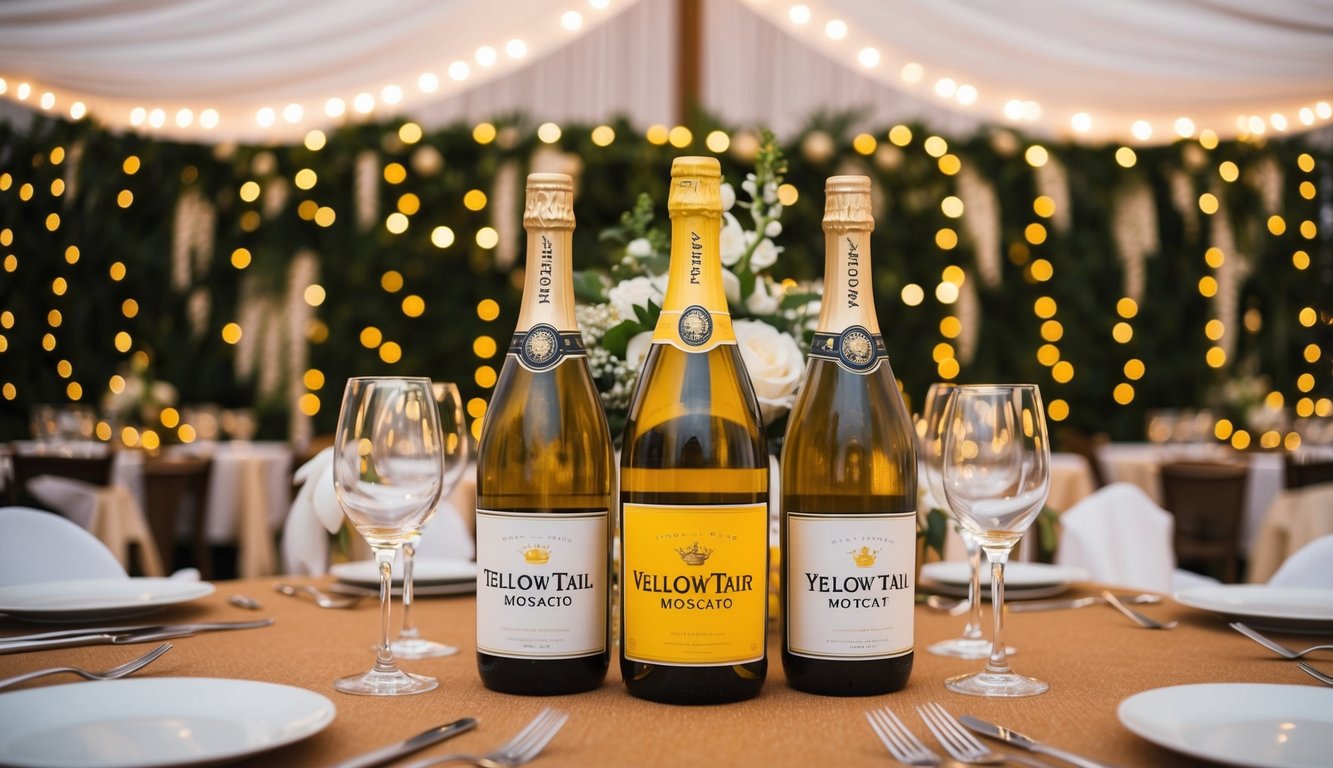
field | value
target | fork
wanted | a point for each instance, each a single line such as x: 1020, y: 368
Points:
x: 519, y: 750
x: 1273, y: 645
x: 1138, y: 618
x: 905, y: 747
x: 1316, y: 674
x: 322, y: 598
x: 962, y: 745
x: 128, y: 668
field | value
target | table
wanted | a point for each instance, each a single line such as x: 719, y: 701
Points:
x: 1139, y: 463
x: 1092, y: 657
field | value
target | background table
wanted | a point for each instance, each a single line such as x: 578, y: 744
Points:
x: 1092, y: 657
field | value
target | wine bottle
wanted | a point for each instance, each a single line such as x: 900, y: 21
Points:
x: 848, y: 484
x: 694, y: 481
x: 544, y: 468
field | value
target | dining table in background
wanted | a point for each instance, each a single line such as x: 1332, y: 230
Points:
x: 1093, y: 657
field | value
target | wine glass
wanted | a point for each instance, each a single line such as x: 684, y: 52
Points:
x: 387, y: 472
x: 996, y: 474
x: 972, y: 644
x: 410, y: 644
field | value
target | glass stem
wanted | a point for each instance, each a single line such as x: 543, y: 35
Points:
x: 409, y: 628
x: 383, y: 654
x: 999, y: 663
x: 973, y: 629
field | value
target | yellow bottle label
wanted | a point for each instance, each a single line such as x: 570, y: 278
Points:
x: 693, y: 583
x: 695, y: 317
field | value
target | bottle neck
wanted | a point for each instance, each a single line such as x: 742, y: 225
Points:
x: 695, y: 281
x: 848, y: 298
x: 548, y: 284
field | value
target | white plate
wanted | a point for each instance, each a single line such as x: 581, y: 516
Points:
x: 1278, y: 608
x: 85, y: 600
x: 154, y: 722
x: 421, y: 590
x: 1250, y: 724
x: 428, y: 570
x: 1021, y: 580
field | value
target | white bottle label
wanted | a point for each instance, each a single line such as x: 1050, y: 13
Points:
x: 541, y: 584
x: 850, y: 585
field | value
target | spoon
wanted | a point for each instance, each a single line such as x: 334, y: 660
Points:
x: 242, y: 601
x: 322, y: 599
x: 1135, y: 616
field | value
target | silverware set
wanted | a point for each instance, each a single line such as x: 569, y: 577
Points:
x: 523, y: 748
x: 143, y: 633
x: 958, y: 741
x: 1286, y: 652
x: 123, y: 670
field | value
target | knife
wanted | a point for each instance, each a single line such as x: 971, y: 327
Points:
x: 202, y: 627
x: 1024, y: 742
x: 1077, y: 602
x: 143, y: 635
x: 422, y: 740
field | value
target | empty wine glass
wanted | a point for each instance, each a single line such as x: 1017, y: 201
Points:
x: 996, y: 474
x: 972, y: 644
x: 410, y: 644
x: 387, y: 471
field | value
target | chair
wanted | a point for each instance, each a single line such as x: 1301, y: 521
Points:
x: 1208, y: 502
x: 1309, y: 567
x: 169, y: 484
x: 40, y: 546
x: 91, y: 470
x: 1077, y: 441
x: 1298, y: 472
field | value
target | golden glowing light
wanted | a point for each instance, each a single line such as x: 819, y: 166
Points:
x: 1229, y: 171
x: 123, y: 342
x: 549, y: 133
x: 74, y: 390
x: 951, y: 327
x: 1312, y: 353
x: 603, y: 135
x: 484, y: 347
x: 474, y: 200
x: 946, y: 239
x: 1214, y: 329
x: 1214, y: 257
x: 488, y: 309
x: 484, y: 133
x: 306, y: 179
x: 1208, y: 203
x: 657, y: 134
x: 1036, y: 156
x: 1305, y: 383
x: 485, y: 377
x: 1300, y: 260
x: 865, y: 144
x: 396, y: 223
x: 476, y: 407
x: 308, y: 404
x: 900, y: 135
x: 131, y: 165
x: 170, y: 417
x: 935, y: 146
x: 442, y: 237
x: 953, y: 274
x: 1216, y: 357
x: 1048, y: 355
x: 395, y: 173
x: 1308, y: 229
x: 680, y: 137
x: 1057, y: 410
x: 946, y: 293
x: 1044, y: 207
x: 409, y: 133
x: 59, y: 286
x: 314, y: 294
x: 324, y: 216
x: 231, y: 333
x: 1124, y: 393
x: 952, y: 206
x: 1052, y: 330
x: 1134, y: 369
x: 942, y: 351
x: 249, y: 191
x: 950, y: 165
x: 241, y: 258
x: 413, y: 305
x: 371, y: 337
x: 313, y: 379
x: 1041, y: 270
x: 787, y: 194
x: 390, y: 352
x: 54, y: 318
x: 315, y: 140
x: 1122, y: 332
x: 948, y: 369
x: 1208, y: 286
x: 912, y: 294
x: 1063, y: 372
x: 1240, y: 440
x: 129, y: 308
x: 487, y: 237
x: 1126, y: 157
x: 1276, y: 225
x: 1223, y: 429
x: 1044, y: 307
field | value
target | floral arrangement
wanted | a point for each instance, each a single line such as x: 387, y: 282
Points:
x: 773, y: 318
x: 142, y: 398
x: 1243, y: 398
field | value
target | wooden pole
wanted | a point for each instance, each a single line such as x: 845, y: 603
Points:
x: 689, y: 57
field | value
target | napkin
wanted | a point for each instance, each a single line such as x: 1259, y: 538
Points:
x: 315, y: 514
x: 1121, y: 537
x: 109, y: 512
x: 1308, y: 567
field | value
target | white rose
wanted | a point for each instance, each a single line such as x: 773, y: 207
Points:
x: 731, y: 286
x: 733, y: 240
x: 775, y: 365
x: 637, y: 350
x: 728, y: 197
x: 764, y: 300
x: 765, y: 255
x: 639, y: 247
x: 636, y: 291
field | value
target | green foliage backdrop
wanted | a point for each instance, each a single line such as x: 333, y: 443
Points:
x: 78, y: 173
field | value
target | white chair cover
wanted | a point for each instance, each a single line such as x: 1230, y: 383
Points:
x: 1309, y: 567
x: 1121, y: 537
x: 40, y: 546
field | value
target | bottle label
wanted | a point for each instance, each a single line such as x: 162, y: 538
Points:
x: 541, y: 584
x: 695, y: 317
x: 542, y: 347
x: 850, y: 590
x: 693, y: 589
x: 855, y: 349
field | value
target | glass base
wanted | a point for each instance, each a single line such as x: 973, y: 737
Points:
x: 966, y: 648
x: 420, y: 648
x: 393, y: 683
x: 996, y: 685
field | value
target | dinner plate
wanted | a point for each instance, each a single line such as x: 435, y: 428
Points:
x: 420, y: 590
x: 1249, y: 724
x: 84, y: 600
x: 1022, y: 581
x: 428, y: 570
x: 154, y: 722
x: 1283, y: 609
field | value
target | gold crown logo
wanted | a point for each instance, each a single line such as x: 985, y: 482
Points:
x: 695, y: 555
x: 864, y: 557
x: 537, y: 554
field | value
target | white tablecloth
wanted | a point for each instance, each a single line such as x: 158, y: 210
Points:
x: 1140, y: 464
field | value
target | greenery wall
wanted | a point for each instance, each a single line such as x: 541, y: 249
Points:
x: 78, y: 173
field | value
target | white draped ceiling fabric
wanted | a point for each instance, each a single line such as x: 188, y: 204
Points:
x: 1139, y: 71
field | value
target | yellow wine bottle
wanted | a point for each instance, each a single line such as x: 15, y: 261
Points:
x: 848, y: 484
x: 694, y: 481
x: 544, y: 469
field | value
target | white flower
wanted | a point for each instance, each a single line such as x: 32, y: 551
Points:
x: 637, y: 350
x: 728, y: 197
x: 765, y: 255
x: 639, y: 247
x: 733, y: 240
x: 770, y: 192
x: 764, y: 300
x: 731, y: 286
x: 773, y: 229
x: 636, y: 291
x: 775, y: 365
